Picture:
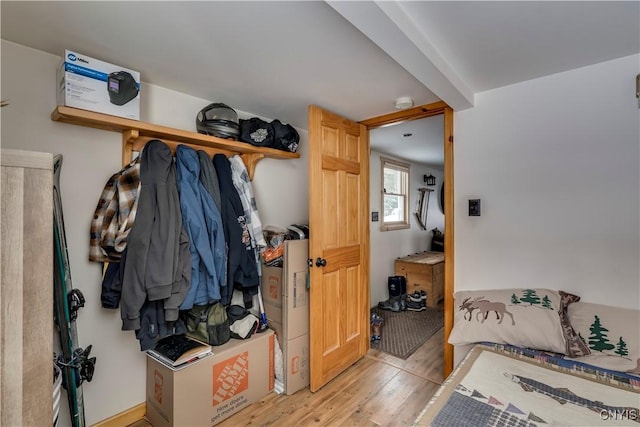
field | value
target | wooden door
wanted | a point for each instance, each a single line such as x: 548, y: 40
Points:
x: 339, y: 239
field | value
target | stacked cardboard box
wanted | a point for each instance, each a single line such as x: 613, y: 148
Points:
x: 286, y: 304
x: 212, y: 389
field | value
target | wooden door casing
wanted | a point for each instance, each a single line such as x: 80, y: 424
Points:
x: 413, y: 114
x: 338, y: 217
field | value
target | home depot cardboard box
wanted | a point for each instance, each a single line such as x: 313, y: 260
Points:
x: 239, y: 373
x: 286, y: 304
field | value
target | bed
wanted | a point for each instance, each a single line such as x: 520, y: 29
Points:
x: 544, y: 359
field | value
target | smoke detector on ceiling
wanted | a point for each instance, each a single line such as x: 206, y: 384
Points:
x: 404, y: 102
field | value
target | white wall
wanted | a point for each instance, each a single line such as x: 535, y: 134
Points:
x: 386, y: 246
x: 556, y: 163
x: 90, y: 158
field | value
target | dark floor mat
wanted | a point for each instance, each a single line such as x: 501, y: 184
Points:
x: 404, y: 331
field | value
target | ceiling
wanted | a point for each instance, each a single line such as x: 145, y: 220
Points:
x: 355, y: 58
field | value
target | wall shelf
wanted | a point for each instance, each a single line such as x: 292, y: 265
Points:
x: 135, y: 134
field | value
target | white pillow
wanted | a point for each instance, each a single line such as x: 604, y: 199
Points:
x: 612, y: 334
x: 522, y: 317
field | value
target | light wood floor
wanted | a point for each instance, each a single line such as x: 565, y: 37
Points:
x: 379, y: 390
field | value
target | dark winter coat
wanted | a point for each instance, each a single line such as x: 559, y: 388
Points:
x: 208, y: 177
x: 241, y: 267
x: 154, y: 326
x: 112, y: 283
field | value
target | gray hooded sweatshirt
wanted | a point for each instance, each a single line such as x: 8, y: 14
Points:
x: 154, y: 269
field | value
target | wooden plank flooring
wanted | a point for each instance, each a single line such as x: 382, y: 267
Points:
x: 379, y: 390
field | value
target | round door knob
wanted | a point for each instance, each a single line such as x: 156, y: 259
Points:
x: 321, y: 262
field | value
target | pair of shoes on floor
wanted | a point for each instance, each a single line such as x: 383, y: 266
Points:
x: 420, y: 296
x: 417, y: 301
x: 415, y: 306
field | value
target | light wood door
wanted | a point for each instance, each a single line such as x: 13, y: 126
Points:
x: 339, y: 238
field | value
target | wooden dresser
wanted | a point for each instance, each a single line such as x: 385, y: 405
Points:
x: 424, y: 271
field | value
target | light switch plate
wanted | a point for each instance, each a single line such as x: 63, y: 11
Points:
x: 474, y: 207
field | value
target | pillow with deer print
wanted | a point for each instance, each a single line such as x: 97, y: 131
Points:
x: 612, y: 334
x: 521, y: 317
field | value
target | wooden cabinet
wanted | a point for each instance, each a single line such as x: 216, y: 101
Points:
x: 26, y: 288
x: 424, y: 271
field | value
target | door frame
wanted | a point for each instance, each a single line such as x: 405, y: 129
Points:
x: 420, y: 112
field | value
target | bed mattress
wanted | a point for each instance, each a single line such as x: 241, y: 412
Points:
x: 502, y: 385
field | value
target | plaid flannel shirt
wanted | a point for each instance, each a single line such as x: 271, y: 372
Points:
x: 115, y: 214
x: 242, y: 183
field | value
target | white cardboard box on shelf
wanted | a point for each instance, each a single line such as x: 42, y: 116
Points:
x: 95, y: 85
x: 239, y: 373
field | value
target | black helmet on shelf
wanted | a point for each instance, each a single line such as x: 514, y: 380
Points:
x: 219, y: 120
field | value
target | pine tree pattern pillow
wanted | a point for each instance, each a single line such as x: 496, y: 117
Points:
x: 611, y: 333
x: 575, y: 346
x: 521, y: 317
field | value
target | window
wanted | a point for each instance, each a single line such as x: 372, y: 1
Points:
x: 395, y: 195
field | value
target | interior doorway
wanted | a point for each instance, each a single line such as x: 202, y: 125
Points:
x: 417, y: 144
x: 417, y: 113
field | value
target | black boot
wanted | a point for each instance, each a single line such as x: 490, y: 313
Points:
x: 403, y: 293
x: 395, y: 302
x: 394, y: 284
x: 392, y: 304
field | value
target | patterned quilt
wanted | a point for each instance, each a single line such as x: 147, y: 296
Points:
x: 501, y: 385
